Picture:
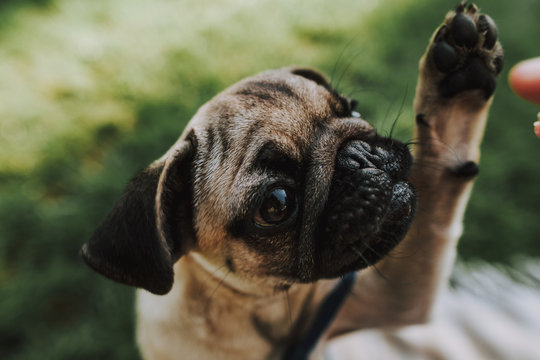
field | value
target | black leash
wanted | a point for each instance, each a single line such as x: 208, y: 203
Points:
x: 328, y: 310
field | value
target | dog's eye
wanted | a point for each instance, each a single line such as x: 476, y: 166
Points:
x: 278, y: 205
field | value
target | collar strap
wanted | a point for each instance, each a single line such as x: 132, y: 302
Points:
x: 326, y: 314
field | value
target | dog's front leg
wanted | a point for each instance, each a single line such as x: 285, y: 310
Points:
x: 455, y: 87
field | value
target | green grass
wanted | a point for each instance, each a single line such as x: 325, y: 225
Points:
x: 92, y: 92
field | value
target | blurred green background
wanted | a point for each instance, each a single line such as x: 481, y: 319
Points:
x: 93, y: 91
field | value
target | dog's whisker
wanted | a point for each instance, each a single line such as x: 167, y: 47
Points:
x: 384, y: 236
x: 210, y: 276
x: 220, y: 283
x: 213, y: 273
x: 428, y: 165
x: 355, y: 91
x: 382, y: 122
x: 400, y: 111
x: 340, y: 57
x: 288, y: 303
x: 371, y: 249
x: 364, y: 259
x: 351, y: 61
x: 448, y: 150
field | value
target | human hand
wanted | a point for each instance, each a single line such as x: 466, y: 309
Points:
x: 537, y: 126
x: 525, y: 81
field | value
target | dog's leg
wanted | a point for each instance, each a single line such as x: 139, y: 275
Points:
x: 455, y: 87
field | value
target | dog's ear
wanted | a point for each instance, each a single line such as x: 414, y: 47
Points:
x: 312, y: 75
x: 150, y: 226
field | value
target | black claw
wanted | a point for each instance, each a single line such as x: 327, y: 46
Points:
x: 464, y: 31
x: 472, y: 9
x: 440, y: 33
x: 487, y: 26
x: 445, y: 57
x: 461, y: 7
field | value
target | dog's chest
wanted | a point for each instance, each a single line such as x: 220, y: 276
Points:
x: 170, y: 325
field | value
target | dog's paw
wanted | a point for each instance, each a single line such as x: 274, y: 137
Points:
x: 464, y: 53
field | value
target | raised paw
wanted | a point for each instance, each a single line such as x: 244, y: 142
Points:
x: 464, y: 53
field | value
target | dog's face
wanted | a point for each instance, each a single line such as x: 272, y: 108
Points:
x: 276, y: 179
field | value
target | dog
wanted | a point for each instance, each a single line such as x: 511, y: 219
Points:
x: 278, y: 190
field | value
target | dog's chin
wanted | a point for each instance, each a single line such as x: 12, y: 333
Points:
x: 370, y: 208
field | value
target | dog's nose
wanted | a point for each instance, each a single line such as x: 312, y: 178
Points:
x: 384, y: 154
x: 357, y: 204
x: 369, y: 208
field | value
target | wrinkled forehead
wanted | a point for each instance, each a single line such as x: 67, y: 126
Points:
x: 288, y: 109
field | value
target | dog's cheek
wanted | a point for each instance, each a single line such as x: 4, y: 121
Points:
x: 211, y: 239
x: 242, y: 259
x: 231, y: 255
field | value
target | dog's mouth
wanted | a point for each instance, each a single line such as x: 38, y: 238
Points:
x: 370, y: 206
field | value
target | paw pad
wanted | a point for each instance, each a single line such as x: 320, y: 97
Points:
x: 466, y: 51
x: 464, y: 31
x: 487, y: 26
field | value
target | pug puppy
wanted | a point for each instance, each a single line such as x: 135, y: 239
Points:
x: 277, y: 188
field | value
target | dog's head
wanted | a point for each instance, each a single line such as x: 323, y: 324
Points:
x: 277, y: 179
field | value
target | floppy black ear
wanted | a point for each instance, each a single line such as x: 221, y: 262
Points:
x: 312, y: 75
x: 137, y: 244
